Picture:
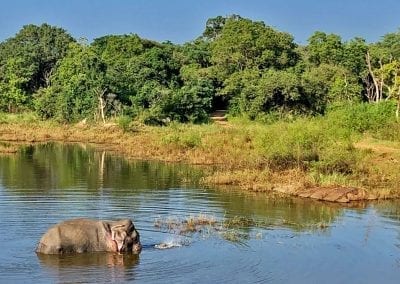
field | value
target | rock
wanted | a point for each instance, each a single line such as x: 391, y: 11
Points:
x: 335, y: 194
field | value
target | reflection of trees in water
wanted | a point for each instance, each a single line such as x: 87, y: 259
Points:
x: 51, y: 166
x: 271, y: 210
x: 45, y: 168
x: 389, y: 209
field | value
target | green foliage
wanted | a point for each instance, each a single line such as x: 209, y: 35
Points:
x: 244, y: 44
x: 75, y: 86
x: 45, y: 103
x: 354, y: 56
x: 190, y: 103
x: 330, y: 84
x: 118, y: 52
x: 324, y: 144
x: 26, y: 62
x: 387, y: 49
x: 338, y: 159
x: 23, y: 117
x: 182, y: 138
x: 125, y: 123
x: 12, y: 83
x: 285, y: 145
x: 363, y: 117
x: 323, y: 48
x: 256, y: 93
x: 196, y: 52
x: 247, y: 66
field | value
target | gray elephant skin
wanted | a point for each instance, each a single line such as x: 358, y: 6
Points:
x: 86, y: 235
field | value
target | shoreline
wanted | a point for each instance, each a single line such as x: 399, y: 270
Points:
x: 233, y: 162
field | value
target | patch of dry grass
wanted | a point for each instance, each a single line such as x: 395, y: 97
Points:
x: 6, y: 149
x: 190, y: 224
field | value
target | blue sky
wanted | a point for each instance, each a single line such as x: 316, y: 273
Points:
x: 183, y: 20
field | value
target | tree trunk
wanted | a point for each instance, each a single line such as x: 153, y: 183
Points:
x: 377, y: 93
x: 100, y: 93
x: 101, y: 106
x: 398, y: 107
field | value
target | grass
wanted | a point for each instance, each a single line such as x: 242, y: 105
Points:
x: 189, y: 224
x: 356, y: 146
x: 7, y: 148
x: 234, y: 229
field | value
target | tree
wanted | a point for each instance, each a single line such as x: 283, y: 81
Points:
x: 243, y: 44
x: 330, y: 83
x: 379, y: 59
x: 196, y: 52
x: 12, y: 82
x: 388, y: 48
x: 118, y: 52
x: 390, y: 76
x: 240, y: 54
x: 258, y: 92
x: 354, y: 52
x: 214, y: 26
x: 76, y: 85
x: 40, y: 47
x: 325, y: 48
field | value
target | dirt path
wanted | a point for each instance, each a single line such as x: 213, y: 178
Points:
x: 219, y: 117
x: 378, y: 147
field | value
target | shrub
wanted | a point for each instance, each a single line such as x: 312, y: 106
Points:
x: 363, y: 117
x: 124, y: 122
x: 292, y: 144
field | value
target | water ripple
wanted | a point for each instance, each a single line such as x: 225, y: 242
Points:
x: 273, y: 240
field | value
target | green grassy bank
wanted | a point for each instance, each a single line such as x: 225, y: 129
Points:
x: 353, y: 146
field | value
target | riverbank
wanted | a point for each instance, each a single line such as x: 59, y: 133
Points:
x: 313, y: 158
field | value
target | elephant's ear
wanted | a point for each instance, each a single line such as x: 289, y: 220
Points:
x: 115, y: 229
x: 106, y: 227
x: 135, y: 236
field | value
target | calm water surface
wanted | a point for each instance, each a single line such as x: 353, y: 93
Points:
x: 288, y: 240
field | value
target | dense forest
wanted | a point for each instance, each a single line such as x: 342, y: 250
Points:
x: 243, y: 66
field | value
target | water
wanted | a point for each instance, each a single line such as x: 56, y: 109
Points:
x: 287, y: 241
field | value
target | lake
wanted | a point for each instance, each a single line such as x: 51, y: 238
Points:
x: 251, y: 238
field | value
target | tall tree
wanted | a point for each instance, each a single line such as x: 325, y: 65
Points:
x: 40, y: 47
x: 77, y: 83
x: 325, y: 48
x: 245, y: 44
x: 214, y: 26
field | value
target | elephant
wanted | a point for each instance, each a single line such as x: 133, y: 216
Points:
x: 87, y: 235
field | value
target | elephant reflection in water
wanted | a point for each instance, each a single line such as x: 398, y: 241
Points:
x: 97, y: 267
x: 86, y: 235
x: 87, y: 260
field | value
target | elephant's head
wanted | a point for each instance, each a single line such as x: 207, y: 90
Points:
x: 132, y: 242
x: 125, y: 236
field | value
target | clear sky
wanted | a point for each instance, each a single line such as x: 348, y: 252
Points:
x: 183, y: 20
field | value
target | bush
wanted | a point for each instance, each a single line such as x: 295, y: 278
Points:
x: 286, y: 145
x: 124, y: 122
x: 157, y: 105
x: 185, y: 138
x: 338, y: 158
x: 363, y: 117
